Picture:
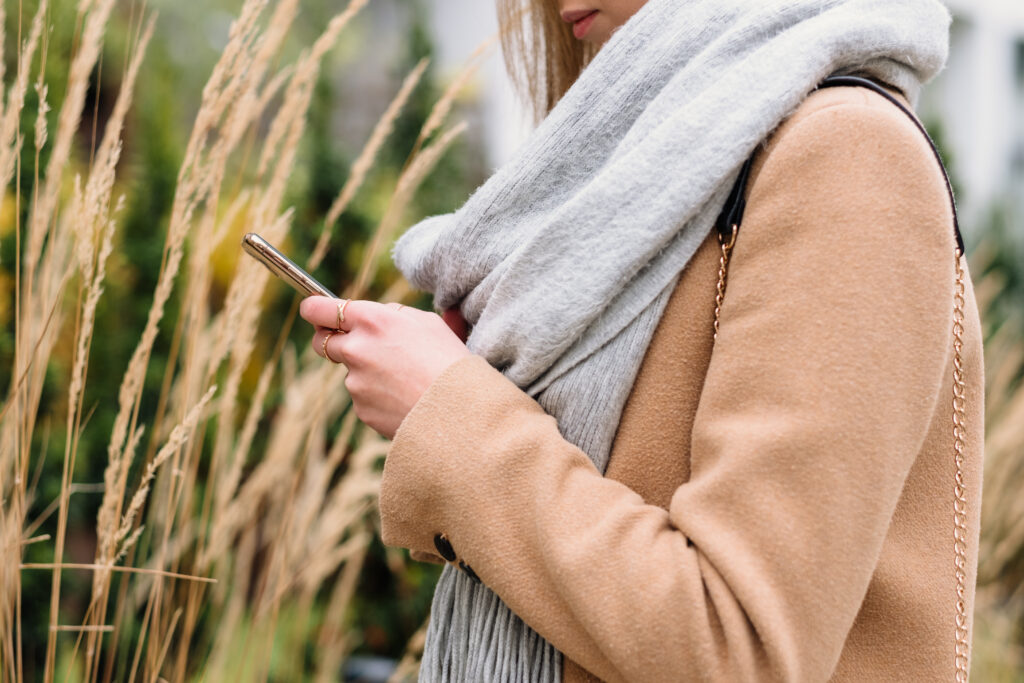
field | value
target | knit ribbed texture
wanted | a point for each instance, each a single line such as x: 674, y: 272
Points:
x: 564, y: 260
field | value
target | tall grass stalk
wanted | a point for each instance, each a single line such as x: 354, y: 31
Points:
x: 999, y: 611
x: 222, y: 515
x: 206, y: 533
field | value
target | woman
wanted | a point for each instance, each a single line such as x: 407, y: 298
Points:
x: 606, y: 477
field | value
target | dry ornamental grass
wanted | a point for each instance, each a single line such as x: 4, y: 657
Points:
x: 207, y: 537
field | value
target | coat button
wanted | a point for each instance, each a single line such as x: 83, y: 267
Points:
x: 469, y: 572
x: 444, y: 548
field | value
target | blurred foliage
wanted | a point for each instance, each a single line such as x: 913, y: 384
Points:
x: 394, y: 594
x: 995, y: 251
x: 998, y: 262
x: 1001, y: 243
x: 389, y: 607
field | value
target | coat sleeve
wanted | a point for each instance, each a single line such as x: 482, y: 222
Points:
x: 835, y: 335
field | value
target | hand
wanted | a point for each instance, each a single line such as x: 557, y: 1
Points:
x: 393, y: 354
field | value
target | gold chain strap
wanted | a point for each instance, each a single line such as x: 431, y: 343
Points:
x: 723, y: 270
x: 959, y: 489
x: 962, y: 649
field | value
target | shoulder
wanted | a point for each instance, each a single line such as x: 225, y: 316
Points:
x: 847, y: 117
x: 846, y: 149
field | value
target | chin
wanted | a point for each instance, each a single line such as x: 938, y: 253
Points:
x: 598, y: 35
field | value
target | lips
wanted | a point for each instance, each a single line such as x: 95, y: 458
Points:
x: 580, y: 20
x: 575, y: 15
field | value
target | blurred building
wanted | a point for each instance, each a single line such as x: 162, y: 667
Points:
x: 376, y: 58
x: 459, y: 26
x: 978, y: 102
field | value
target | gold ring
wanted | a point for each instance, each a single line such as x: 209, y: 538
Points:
x: 341, y: 312
x: 324, y: 347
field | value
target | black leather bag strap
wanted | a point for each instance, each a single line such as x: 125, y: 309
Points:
x: 732, y: 215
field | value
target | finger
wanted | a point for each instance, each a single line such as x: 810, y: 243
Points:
x: 322, y: 311
x: 327, y: 344
x: 337, y: 314
x: 318, y: 338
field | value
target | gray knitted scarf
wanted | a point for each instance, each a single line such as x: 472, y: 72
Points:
x: 563, y: 261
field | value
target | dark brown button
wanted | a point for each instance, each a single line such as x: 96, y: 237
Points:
x: 444, y: 548
x: 469, y: 572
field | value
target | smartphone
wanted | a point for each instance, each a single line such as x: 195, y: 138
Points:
x: 283, y: 267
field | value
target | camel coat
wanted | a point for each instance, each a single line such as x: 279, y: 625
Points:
x: 779, y: 502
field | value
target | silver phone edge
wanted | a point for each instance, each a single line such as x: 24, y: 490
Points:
x: 271, y: 258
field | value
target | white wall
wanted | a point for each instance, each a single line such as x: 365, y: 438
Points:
x: 979, y: 98
x: 459, y: 26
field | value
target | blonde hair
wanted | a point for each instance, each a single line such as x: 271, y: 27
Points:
x: 542, y: 56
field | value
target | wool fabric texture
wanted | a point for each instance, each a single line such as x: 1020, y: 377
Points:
x: 564, y: 260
